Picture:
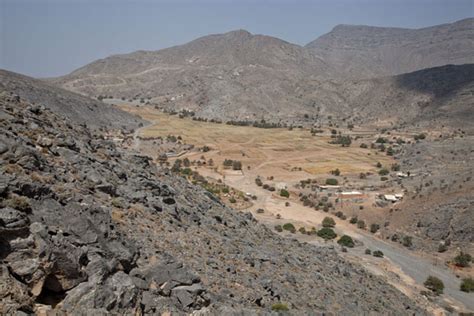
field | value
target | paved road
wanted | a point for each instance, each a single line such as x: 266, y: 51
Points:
x: 420, y: 268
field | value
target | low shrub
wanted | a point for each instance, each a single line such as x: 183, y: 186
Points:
x: 434, y: 284
x: 280, y: 307
x: 378, y: 254
x: 289, y: 227
x: 326, y: 233
x: 374, y: 228
x: 284, y: 193
x: 462, y: 260
x: 467, y: 285
x: 346, y: 241
x: 328, y: 222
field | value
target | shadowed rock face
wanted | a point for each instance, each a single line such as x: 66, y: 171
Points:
x: 77, y: 108
x: 86, y: 228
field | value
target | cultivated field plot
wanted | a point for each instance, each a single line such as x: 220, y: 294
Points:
x: 274, y: 152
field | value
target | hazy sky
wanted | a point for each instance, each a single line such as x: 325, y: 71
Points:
x: 44, y: 38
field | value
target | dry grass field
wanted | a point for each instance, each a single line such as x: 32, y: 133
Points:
x: 268, y: 152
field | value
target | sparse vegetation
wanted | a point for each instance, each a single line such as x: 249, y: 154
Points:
x: 326, y: 233
x: 434, y: 284
x: 284, y: 193
x: 328, y: 222
x: 280, y: 307
x: 467, y: 285
x: 331, y: 181
x: 289, y: 227
x: 378, y: 254
x: 462, y: 260
x: 346, y: 241
x: 374, y: 228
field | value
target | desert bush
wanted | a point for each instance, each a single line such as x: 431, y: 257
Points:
x: 467, y: 285
x: 363, y: 145
x: 326, y: 233
x: 258, y: 182
x: 232, y: 200
x: 442, y: 247
x: 20, y: 203
x: 284, y: 193
x: 378, y: 254
x: 236, y: 165
x: 434, y: 284
x: 462, y: 260
x: 331, y: 181
x: 260, y: 211
x: 328, y: 222
x: 384, y: 172
x: 407, y: 241
x: 368, y: 251
x: 280, y: 307
x: 346, y: 241
x: 289, y: 227
x: 419, y: 136
x: 361, y: 224
x: 353, y: 220
x: 336, y: 172
x: 302, y: 230
x: 278, y: 228
x: 378, y: 165
x: 374, y: 228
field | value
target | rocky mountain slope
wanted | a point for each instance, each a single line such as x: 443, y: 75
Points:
x: 240, y: 76
x: 74, y: 106
x: 360, y: 51
x: 434, y: 97
x: 87, y: 228
x: 237, y: 74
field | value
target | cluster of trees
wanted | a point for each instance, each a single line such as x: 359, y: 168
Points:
x: 343, y: 140
x: 234, y: 164
x: 200, y: 119
x: 259, y: 124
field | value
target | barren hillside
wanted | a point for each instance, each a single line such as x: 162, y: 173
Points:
x: 76, y: 107
x: 360, y: 51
